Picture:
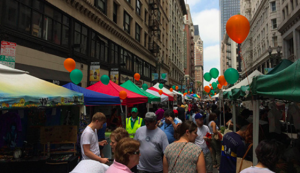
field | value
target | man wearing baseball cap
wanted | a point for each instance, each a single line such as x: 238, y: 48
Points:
x: 134, y: 122
x: 153, y: 144
x: 201, y: 139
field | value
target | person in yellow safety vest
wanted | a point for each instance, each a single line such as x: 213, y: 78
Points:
x: 134, y: 122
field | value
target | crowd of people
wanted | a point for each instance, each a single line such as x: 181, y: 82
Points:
x: 185, y: 139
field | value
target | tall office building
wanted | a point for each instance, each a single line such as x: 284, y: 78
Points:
x: 228, y: 8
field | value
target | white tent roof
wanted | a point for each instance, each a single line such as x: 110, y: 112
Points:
x: 175, y: 92
x: 163, y: 98
x: 244, y: 82
x: 165, y: 90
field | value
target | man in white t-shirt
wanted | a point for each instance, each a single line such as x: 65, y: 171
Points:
x: 202, y: 130
x: 89, y: 139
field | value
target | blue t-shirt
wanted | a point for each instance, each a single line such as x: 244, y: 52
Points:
x: 101, y: 132
x: 232, y: 147
x: 169, y: 130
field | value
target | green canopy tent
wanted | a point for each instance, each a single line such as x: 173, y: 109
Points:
x: 239, y: 92
x: 132, y: 87
x: 227, y: 95
x: 284, y: 85
x: 282, y: 65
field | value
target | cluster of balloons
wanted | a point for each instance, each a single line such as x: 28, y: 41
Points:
x: 213, y: 73
x: 75, y: 75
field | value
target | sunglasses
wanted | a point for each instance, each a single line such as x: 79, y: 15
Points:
x: 136, y: 152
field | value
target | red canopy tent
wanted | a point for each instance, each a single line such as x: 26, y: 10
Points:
x: 114, y: 90
x: 154, y: 89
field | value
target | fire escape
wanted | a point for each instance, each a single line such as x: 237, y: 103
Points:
x: 154, y: 26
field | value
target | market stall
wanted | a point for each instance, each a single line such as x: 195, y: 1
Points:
x: 30, y: 108
x: 163, y: 98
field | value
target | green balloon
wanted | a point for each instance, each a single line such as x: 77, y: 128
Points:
x: 76, y: 76
x: 145, y: 86
x: 207, y: 77
x: 104, y: 79
x: 217, y: 82
x: 185, y: 91
x: 161, y: 85
x: 212, y: 91
x: 231, y: 75
x: 214, y: 85
x: 163, y: 75
x: 214, y: 73
x: 173, y: 87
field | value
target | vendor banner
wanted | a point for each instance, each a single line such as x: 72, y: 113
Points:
x: 8, y: 53
x: 114, y: 75
x: 154, y: 76
x: 94, y: 72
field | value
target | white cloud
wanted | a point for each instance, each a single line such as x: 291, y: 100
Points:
x: 209, y: 25
x: 211, y: 59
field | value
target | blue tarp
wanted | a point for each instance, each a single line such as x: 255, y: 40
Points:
x: 92, y: 97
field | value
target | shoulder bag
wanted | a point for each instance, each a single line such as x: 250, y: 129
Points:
x: 241, y: 163
x: 177, y: 157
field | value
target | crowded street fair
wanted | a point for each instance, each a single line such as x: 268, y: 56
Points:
x: 100, y: 121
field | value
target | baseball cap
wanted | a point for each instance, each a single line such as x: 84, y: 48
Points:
x: 150, y: 116
x: 198, y: 115
x: 175, y: 111
x: 134, y: 110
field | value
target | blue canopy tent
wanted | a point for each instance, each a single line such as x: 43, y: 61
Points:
x: 92, y: 97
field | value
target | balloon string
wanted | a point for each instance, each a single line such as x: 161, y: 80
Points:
x: 243, y: 63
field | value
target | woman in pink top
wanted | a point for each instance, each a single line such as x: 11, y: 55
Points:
x: 127, y: 155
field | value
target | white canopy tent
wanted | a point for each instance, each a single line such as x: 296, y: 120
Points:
x: 165, y: 90
x: 244, y: 82
x: 163, y: 98
x: 177, y: 93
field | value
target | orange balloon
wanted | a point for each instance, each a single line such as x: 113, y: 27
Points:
x: 219, y: 86
x: 192, y: 92
x: 210, y: 84
x: 225, y: 84
x: 176, y: 87
x: 237, y: 28
x: 160, y: 92
x: 137, y: 76
x: 215, y: 93
x: 207, y: 89
x: 123, y: 94
x: 189, y: 92
x: 69, y: 64
x: 209, y: 96
x: 171, y: 89
x: 221, y: 80
x: 184, y: 94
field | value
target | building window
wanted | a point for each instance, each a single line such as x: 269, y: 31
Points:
x: 273, y: 6
x: 145, y: 40
x: 128, y: 1
x: 114, y: 53
x: 127, y: 20
x: 80, y: 37
x: 126, y: 59
x: 274, y: 23
x: 115, y: 12
x: 292, y: 4
x: 39, y: 20
x: 283, y: 14
x: 138, y: 7
x: 146, y: 16
x: 274, y: 39
x: 137, y: 32
x: 146, y: 69
x: 138, y: 65
x: 101, y: 5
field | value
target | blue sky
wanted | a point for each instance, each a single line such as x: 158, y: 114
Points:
x: 205, y: 14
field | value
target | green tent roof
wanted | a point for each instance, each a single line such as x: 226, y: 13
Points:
x: 283, y: 85
x: 282, y: 65
x: 239, y: 92
x: 132, y: 87
x: 227, y: 95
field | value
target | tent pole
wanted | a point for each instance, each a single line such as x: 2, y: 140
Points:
x: 234, y: 116
x: 148, y: 107
x: 255, y: 129
x: 224, y: 112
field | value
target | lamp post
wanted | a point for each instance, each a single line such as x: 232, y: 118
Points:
x: 275, y: 58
